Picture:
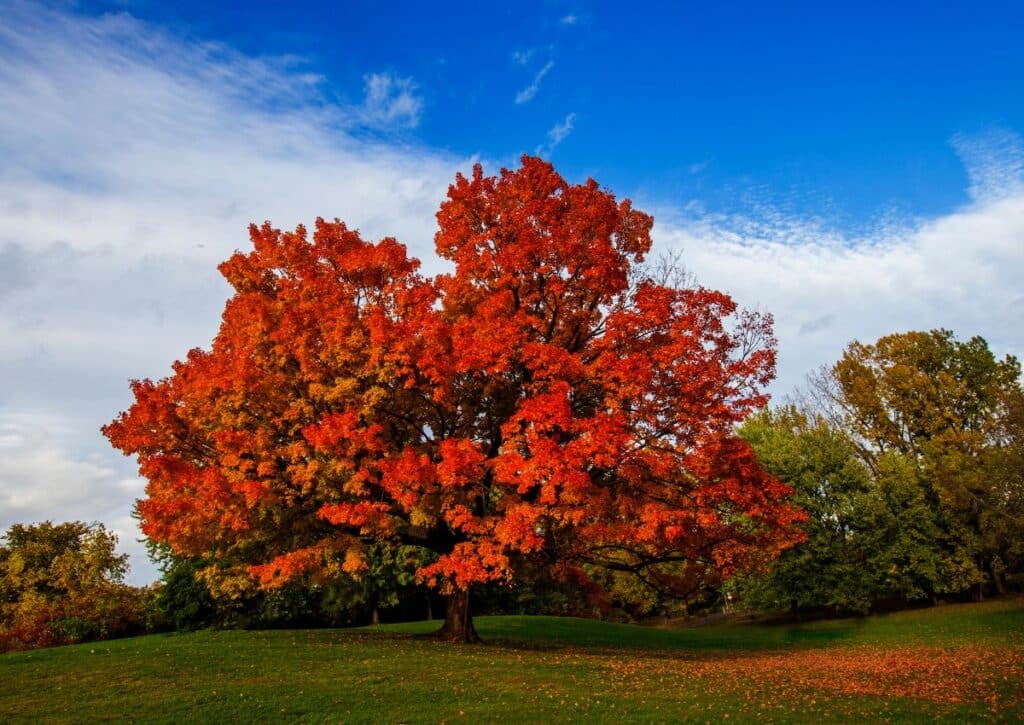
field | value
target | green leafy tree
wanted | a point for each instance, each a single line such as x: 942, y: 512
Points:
x: 833, y: 487
x: 63, y: 583
x: 389, y: 577
x: 1002, y: 527
x: 186, y: 601
x: 927, y: 410
x: 183, y: 600
x: 900, y: 532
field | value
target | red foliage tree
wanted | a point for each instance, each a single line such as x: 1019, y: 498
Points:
x: 546, y: 403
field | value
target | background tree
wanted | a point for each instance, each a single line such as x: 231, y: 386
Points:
x: 185, y: 601
x: 389, y: 577
x: 907, y: 457
x: 832, y: 485
x: 933, y: 418
x: 1002, y: 525
x: 62, y: 583
x: 540, y: 405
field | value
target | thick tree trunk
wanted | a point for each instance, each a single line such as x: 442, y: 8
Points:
x: 458, y: 622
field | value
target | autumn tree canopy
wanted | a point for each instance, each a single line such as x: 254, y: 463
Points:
x: 62, y: 583
x: 908, y: 455
x: 546, y: 402
x: 943, y: 414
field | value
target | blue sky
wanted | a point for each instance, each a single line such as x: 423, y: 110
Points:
x: 844, y: 110
x: 853, y: 174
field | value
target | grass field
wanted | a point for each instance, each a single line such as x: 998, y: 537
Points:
x: 955, y: 662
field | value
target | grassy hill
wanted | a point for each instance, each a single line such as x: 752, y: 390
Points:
x: 955, y: 662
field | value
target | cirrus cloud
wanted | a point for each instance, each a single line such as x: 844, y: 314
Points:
x: 959, y: 270
x: 527, y: 94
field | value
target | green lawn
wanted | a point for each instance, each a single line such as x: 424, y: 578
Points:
x: 955, y: 662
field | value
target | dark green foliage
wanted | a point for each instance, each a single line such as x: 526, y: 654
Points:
x: 532, y: 592
x: 910, y: 463
x: 386, y: 589
x: 183, y: 600
x: 388, y: 580
x: 830, y: 569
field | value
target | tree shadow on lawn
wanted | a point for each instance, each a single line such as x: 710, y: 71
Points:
x: 605, y: 639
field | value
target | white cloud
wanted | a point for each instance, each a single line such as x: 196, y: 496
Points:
x: 530, y: 91
x: 43, y: 472
x: 39, y: 476
x: 569, y: 19
x: 522, y: 57
x: 133, y: 162
x: 391, y: 101
x: 698, y: 166
x: 994, y: 162
x: 961, y: 270
x: 558, y: 133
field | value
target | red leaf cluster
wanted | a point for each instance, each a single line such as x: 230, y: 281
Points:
x: 545, y: 400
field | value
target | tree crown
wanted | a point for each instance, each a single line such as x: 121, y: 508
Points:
x: 547, y: 400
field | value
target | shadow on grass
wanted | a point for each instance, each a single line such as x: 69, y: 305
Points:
x: 566, y: 634
x: 996, y: 621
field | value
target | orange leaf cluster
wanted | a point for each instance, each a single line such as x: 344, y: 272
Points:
x: 546, y: 400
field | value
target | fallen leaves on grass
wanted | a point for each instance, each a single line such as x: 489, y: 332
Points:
x: 940, y: 674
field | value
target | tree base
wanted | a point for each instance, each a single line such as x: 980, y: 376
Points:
x: 458, y: 622
x: 467, y: 635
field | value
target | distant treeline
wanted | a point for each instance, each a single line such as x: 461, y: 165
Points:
x: 908, y: 456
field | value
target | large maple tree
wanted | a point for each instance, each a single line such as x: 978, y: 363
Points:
x: 546, y: 404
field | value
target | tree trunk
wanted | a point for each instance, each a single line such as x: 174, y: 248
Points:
x: 430, y: 608
x: 997, y: 579
x: 375, y: 615
x: 458, y: 622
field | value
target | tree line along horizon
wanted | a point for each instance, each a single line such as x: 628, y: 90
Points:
x: 557, y: 426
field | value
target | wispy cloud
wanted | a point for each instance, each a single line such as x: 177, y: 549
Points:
x: 48, y: 477
x: 530, y: 91
x: 698, y: 166
x: 825, y: 287
x: 558, y: 133
x: 994, y: 162
x: 391, y: 101
x: 133, y: 161
x: 523, y: 57
x: 569, y: 19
